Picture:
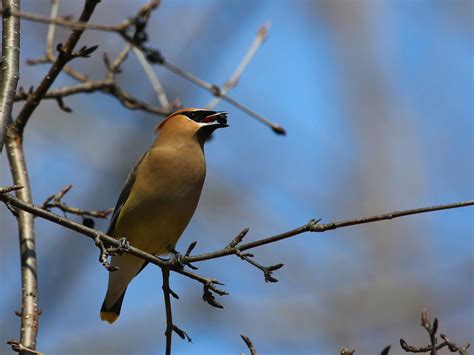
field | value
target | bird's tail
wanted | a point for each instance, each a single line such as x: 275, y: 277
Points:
x: 111, y: 313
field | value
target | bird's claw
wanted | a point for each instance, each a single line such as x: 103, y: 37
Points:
x: 124, y: 244
x: 176, y: 259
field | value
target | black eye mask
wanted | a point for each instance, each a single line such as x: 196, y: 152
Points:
x: 207, y: 116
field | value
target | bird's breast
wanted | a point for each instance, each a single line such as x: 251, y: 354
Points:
x: 163, y: 199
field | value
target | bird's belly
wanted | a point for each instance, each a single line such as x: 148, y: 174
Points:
x: 156, y: 224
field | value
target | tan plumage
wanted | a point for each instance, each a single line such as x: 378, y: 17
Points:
x: 160, y: 196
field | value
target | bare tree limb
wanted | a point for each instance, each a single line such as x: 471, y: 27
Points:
x: 20, y: 348
x: 65, y: 55
x: 9, y: 70
x: 80, y: 25
x: 260, y: 37
x: 169, y: 315
x: 231, y: 249
x: 432, y: 329
x: 153, y: 56
x: 16, y: 157
x: 249, y: 344
x: 51, y: 28
x: 153, y: 78
x: 55, y: 201
x: 26, y: 229
x: 107, y: 86
x: 33, y: 210
x: 314, y: 226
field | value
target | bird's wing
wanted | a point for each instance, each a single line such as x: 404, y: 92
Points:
x: 124, y: 194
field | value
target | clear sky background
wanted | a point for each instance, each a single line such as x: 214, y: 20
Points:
x: 377, y: 100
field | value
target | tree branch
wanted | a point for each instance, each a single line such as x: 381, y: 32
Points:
x: 107, y: 86
x: 314, y: 226
x: 260, y: 37
x: 153, y: 78
x: 231, y: 249
x: 32, y: 210
x: 432, y: 329
x: 55, y: 201
x: 26, y: 229
x: 9, y: 69
x: 152, y: 55
x: 249, y: 344
x: 169, y: 316
x: 65, y: 55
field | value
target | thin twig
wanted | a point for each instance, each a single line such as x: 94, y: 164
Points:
x: 155, y: 83
x: 65, y: 55
x: 51, y: 28
x: 249, y: 344
x: 9, y: 70
x: 314, y: 226
x: 107, y: 86
x: 80, y: 25
x: 169, y: 316
x: 433, y: 348
x: 217, y: 92
x: 114, y: 67
x: 154, y: 57
x: 33, y: 210
x: 67, y: 69
x: 209, y: 284
x: 55, y: 201
x: 20, y: 348
x: 260, y: 37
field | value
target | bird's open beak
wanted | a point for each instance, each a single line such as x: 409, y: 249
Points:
x: 217, y: 119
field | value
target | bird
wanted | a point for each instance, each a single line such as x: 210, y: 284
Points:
x: 159, y: 197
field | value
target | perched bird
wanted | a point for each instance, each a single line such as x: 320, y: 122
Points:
x: 160, y: 196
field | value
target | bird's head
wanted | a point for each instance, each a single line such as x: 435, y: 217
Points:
x: 193, y: 123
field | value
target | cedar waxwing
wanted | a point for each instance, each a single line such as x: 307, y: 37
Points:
x: 160, y: 196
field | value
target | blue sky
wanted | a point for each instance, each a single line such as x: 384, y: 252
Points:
x: 376, y: 97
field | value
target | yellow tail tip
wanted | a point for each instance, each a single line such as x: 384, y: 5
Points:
x: 109, y: 316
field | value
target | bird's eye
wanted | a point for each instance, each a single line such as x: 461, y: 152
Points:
x: 198, y: 116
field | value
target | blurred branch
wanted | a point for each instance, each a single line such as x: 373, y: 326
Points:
x: 107, y: 86
x: 433, y: 348
x: 155, y: 83
x: 50, y: 56
x: 80, y: 25
x: 55, y: 201
x: 260, y: 37
x: 65, y: 55
x: 10, y: 67
x: 138, y: 39
x: 51, y: 28
x: 20, y: 348
x: 249, y: 344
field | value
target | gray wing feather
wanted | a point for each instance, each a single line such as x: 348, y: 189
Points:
x: 124, y: 195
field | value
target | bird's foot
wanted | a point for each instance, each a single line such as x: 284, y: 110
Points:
x: 176, y: 259
x: 124, y: 244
